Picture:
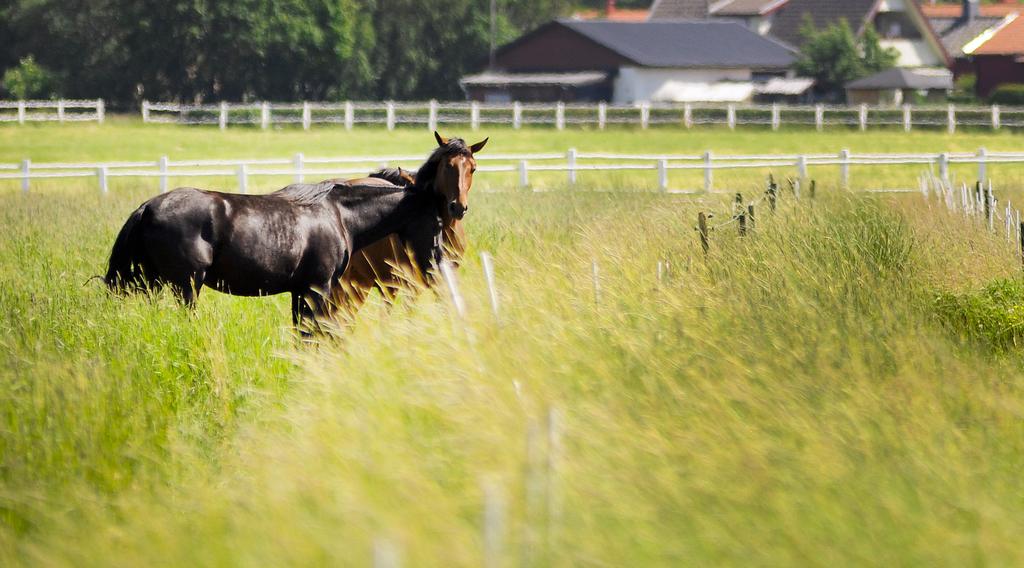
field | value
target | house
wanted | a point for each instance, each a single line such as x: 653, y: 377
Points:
x: 998, y: 58
x: 625, y: 62
x: 962, y: 27
x: 896, y: 86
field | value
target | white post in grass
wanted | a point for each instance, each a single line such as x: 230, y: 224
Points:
x: 298, y: 161
x: 645, y: 115
x: 517, y: 115
x: 602, y: 114
x: 570, y: 158
x: 688, y: 115
x: 243, y: 178
x: 21, y: 112
x: 307, y: 115
x: 730, y: 116
x: 26, y: 165
x: 222, y: 119
x: 474, y: 115
x: 350, y: 115
x: 163, y: 174
x: 996, y: 118
x: 101, y: 175
x: 844, y: 168
x: 448, y: 273
x: 951, y: 118
x: 819, y: 117
x: 390, y: 110
x: 663, y: 175
x: 60, y: 110
x: 265, y: 115
x: 494, y: 515
x: 776, y: 116
x: 908, y: 118
x: 863, y: 117
x: 145, y: 112
x: 524, y: 174
x: 944, y: 167
x: 432, y: 115
x: 560, y: 116
x: 385, y: 555
x: 708, y: 172
x: 101, y: 111
x: 801, y: 167
x: 982, y: 166
x: 492, y: 288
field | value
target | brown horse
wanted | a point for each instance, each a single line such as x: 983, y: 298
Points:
x: 386, y: 264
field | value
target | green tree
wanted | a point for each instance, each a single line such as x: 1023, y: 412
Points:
x: 834, y: 56
x: 29, y: 80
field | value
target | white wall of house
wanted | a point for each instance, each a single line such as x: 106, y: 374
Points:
x: 914, y: 53
x: 635, y: 84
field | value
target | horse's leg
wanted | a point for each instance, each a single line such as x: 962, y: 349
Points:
x: 188, y: 291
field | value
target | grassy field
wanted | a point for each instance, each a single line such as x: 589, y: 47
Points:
x: 843, y: 387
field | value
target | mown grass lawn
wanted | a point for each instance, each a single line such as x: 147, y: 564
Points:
x: 806, y: 395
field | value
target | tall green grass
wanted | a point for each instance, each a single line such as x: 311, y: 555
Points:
x: 793, y: 398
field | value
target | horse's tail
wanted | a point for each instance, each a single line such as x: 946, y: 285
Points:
x: 123, y: 269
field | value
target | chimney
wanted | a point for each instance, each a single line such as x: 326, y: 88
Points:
x: 972, y: 9
x: 610, y: 8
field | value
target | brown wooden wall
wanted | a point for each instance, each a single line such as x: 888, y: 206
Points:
x: 555, y: 48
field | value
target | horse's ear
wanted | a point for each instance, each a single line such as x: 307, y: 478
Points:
x: 441, y: 140
x: 479, y: 145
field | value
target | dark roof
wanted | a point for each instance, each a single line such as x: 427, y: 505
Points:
x: 789, y: 19
x: 955, y: 33
x: 497, y: 79
x: 747, y: 7
x: 701, y: 43
x: 678, y: 9
x: 901, y: 78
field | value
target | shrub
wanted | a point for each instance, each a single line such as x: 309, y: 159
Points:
x: 29, y: 80
x: 1011, y: 94
x: 964, y: 90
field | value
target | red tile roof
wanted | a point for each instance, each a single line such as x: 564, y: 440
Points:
x: 616, y: 15
x: 987, y: 10
x: 1008, y: 40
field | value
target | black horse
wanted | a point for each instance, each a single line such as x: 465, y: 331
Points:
x: 297, y: 240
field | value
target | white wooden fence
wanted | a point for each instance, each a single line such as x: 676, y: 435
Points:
x: 599, y: 115
x: 572, y: 164
x: 52, y: 111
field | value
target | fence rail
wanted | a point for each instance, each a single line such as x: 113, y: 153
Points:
x: 571, y: 163
x: 53, y: 111
x: 599, y: 115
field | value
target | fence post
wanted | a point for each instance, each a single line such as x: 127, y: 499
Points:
x: 494, y: 512
x: 60, y: 110
x: 571, y: 159
x: 243, y: 178
x: 602, y: 114
x: 307, y: 115
x: 432, y: 115
x: 21, y: 112
x: 996, y: 118
x: 908, y: 118
x: 350, y: 115
x: 944, y: 167
x: 145, y: 112
x: 819, y: 117
x: 702, y: 230
x: 222, y: 119
x: 844, y: 168
x: 298, y: 161
x: 265, y: 115
x: 688, y: 115
x: 776, y: 116
x: 730, y: 116
x: 863, y: 116
x: 524, y: 174
x: 390, y: 109
x: 492, y: 288
x: 708, y: 173
x: 741, y: 214
x: 801, y: 167
x: 663, y: 175
x: 101, y: 174
x: 645, y: 115
x: 951, y: 118
x: 517, y: 115
x: 26, y: 165
x: 163, y: 174
x: 560, y: 115
x: 474, y: 115
x: 982, y: 166
x: 101, y: 111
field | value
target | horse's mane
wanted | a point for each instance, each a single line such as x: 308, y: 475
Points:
x: 427, y: 173
x: 397, y: 176
x: 306, y: 193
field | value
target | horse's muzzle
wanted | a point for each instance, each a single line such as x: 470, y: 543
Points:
x: 457, y: 211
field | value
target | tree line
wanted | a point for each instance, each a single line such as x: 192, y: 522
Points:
x: 203, y: 50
